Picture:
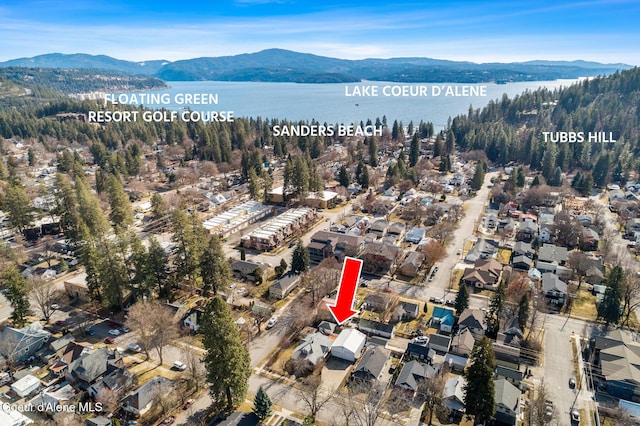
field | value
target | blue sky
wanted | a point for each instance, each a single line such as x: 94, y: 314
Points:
x: 492, y: 31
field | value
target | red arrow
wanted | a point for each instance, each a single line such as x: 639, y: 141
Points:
x: 342, y: 309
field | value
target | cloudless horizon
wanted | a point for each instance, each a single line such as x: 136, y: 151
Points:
x: 493, y: 31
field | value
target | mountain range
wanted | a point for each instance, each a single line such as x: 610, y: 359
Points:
x: 278, y: 65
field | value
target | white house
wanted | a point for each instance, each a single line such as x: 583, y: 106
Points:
x: 348, y: 345
x: 13, y: 418
x: 26, y: 385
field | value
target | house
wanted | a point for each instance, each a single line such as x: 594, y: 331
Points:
x: 98, y: 421
x: 412, y: 373
x: 453, y: 394
x: 522, y: 248
x: 483, y: 249
x: 285, y: 285
x: 13, y: 418
x: 379, y: 258
x: 377, y: 302
x: 527, y: 231
x: 240, y: 419
x: 313, y: 348
x: 443, y: 319
x: 327, y: 328
x: 140, y: 401
x: 26, y: 386
x: 474, y: 320
x: 55, y: 396
x: 486, y: 273
x: 321, y: 200
x: 420, y: 351
x: 244, y: 270
x: 412, y: 264
x: 553, y: 254
x: 415, y: 235
x: 507, y: 398
x: 325, y: 244
x: 116, y: 382
x: 522, y: 262
x: 379, y: 228
x: 396, y: 228
x: 513, y: 376
x: 70, y: 353
x: 553, y: 288
x: 616, y: 356
x: 348, y: 345
x: 371, y: 364
x: 510, y: 333
x: 439, y: 343
x: 377, y: 328
x: 192, y: 320
x: 463, y: 342
x: 406, y: 311
x: 90, y: 366
x: 76, y: 287
x: 21, y: 343
x: 590, y: 239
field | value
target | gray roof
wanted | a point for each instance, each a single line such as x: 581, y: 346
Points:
x: 439, y: 340
x: 141, y: 397
x: 412, y: 373
x: 62, y: 342
x: 312, y: 348
x: 327, y: 327
x: 551, y: 253
x: 98, y: 421
x: 551, y: 282
x: 372, y: 362
x: 506, y: 394
x: 91, y: 365
x: 453, y: 393
x: 288, y: 281
x: 522, y: 259
x: 244, y: 266
x: 472, y: 318
x: 509, y: 373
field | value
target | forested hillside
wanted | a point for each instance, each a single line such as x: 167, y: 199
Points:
x: 511, y: 129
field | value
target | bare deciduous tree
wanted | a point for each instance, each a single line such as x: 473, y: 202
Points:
x: 192, y: 358
x: 313, y: 396
x: 430, y: 390
x: 366, y: 402
x: 44, y: 296
x: 155, y: 325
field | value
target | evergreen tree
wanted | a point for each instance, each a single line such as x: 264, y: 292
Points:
x: 495, y: 309
x: 120, y: 215
x: 520, y: 177
x: 18, y: 206
x: 414, y: 151
x: 343, y: 176
x: 449, y: 142
x: 556, y: 178
x: 215, y: 269
x: 254, y: 185
x: 610, y: 308
x: 300, y: 258
x: 364, y: 178
x: 462, y: 299
x: 158, y: 206
x: 283, y: 265
x: 373, y: 152
x: 262, y: 405
x: 479, y: 392
x: 395, y: 130
x: 601, y: 170
x: 227, y: 360
x: 267, y: 183
x: 549, y: 161
x: 478, y: 177
x: 16, y: 286
x: 536, y: 181
x: 523, y: 310
x: 157, y: 272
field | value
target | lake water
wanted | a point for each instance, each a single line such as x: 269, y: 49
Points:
x: 330, y: 103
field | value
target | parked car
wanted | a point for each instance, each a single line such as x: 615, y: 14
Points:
x: 61, y: 323
x: 548, y: 409
x: 125, y: 329
x: 114, y: 332
x: 272, y: 322
x: 572, y: 382
x: 55, y: 306
x: 134, y: 347
x: 179, y: 366
x: 450, y: 302
x: 575, y: 416
x: 188, y: 404
x: 89, y: 332
x: 109, y: 340
x: 168, y: 421
x: 420, y: 340
x: 437, y: 300
x: 113, y: 324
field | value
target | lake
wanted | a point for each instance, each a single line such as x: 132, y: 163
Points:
x: 339, y: 103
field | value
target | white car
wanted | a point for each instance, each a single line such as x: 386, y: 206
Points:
x: 179, y: 366
x: 114, y: 332
x: 134, y: 347
x: 273, y: 321
x: 55, y: 307
x: 420, y: 340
